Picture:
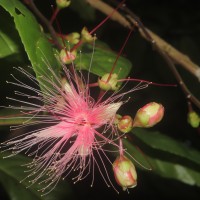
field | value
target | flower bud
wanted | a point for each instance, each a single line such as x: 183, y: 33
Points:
x: 148, y: 115
x: 63, y: 3
x: 73, y: 37
x: 124, y: 172
x: 193, y: 119
x: 67, y: 57
x: 86, y: 36
x: 117, y: 119
x: 125, y: 124
x: 110, y: 84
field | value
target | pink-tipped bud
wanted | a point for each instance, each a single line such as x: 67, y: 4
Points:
x: 125, y: 124
x: 63, y: 3
x: 193, y: 119
x: 86, y: 36
x: 106, y: 83
x: 73, y: 38
x: 67, y: 57
x: 124, y: 172
x: 149, y: 115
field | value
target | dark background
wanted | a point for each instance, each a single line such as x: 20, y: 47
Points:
x: 178, y: 22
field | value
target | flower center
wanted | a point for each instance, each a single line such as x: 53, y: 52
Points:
x: 82, y: 119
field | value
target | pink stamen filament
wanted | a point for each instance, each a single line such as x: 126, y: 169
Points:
x: 93, y: 85
x: 121, y: 149
x: 144, y: 81
x: 137, y: 80
x: 18, y: 115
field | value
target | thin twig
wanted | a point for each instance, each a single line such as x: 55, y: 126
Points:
x: 176, y: 55
x: 171, y: 65
x: 169, y: 53
x: 45, y: 21
x: 107, y: 9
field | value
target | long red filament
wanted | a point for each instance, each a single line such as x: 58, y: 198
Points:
x: 102, y: 22
x: 99, y: 25
x: 119, y: 54
x: 138, y: 80
x: 145, y: 81
x: 55, y: 13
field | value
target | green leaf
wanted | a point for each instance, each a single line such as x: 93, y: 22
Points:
x: 102, y: 61
x: 164, y: 143
x: 8, y: 45
x: 8, y: 36
x: 11, y: 172
x: 35, y: 43
x: 12, y: 117
x: 165, y: 168
x: 167, y: 157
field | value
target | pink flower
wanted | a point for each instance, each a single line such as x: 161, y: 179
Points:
x: 73, y: 127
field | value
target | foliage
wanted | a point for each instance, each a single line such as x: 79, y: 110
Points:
x: 175, y: 157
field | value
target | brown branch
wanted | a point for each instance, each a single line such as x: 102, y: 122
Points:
x: 169, y: 61
x: 107, y: 9
x: 176, y: 55
x: 169, y: 53
x: 185, y: 89
x: 45, y: 21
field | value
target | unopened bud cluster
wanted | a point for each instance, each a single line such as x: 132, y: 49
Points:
x: 68, y: 57
x: 147, y: 116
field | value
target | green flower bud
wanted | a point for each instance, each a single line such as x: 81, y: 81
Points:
x: 125, y: 124
x: 108, y: 85
x: 124, y: 172
x: 73, y: 37
x: 148, y: 115
x: 67, y: 57
x: 63, y: 3
x: 86, y: 36
x: 193, y: 119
